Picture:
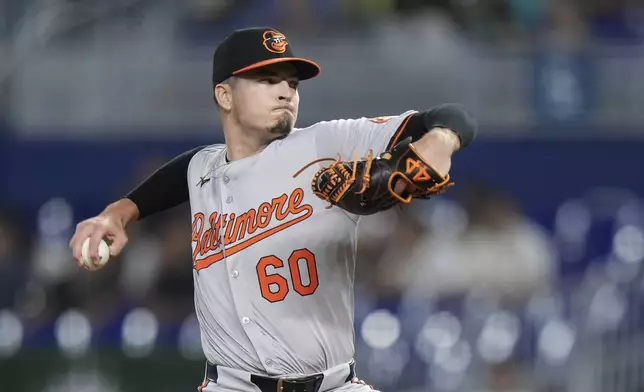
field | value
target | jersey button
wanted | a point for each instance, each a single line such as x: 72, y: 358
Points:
x: 229, y: 199
x: 269, y: 362
x: 234, y: 274
x: 245, y: 320
x: 226, y: 179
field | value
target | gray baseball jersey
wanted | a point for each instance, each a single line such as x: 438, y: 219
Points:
x: 273, y: 267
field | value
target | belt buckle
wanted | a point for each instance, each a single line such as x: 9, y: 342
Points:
x: 299, y: 384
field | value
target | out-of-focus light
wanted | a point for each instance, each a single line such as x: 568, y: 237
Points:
x: 55, y: 217
x: 190, y: 339
x: 630, y: 213
x: 11, y: 333
x: 413, y: 310
x: 441, y: 331
x: 556, y: 341
x: 543, y: 306
x: 607, y: 309
x: 618, y: 271
x: 33, y: 301
x: 81, y: 379
x: 443, y: 381
x: 572, y: 221
x: 479, y: 304
x: 498, y: 337
x: 447, y: 218
x: 454, y: 359
x: 447, y: 372
x: 386, y: 365
x: 365, y: 302
x: 628, y: 244
x: 73, y: 333
x: 140, y: 330
x: 380, y: 329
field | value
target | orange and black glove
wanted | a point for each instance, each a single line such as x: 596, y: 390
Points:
x: 366, y: 186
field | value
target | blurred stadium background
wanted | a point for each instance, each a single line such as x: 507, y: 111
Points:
x: 526, y: 277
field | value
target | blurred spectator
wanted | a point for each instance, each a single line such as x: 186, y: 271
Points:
x: 386, y: 241
x: 140, y: 262
x: 484, y: 20
x: 613, y: 21
x: 216, y: 10
x: 505, y: 377
x: 500, y: 252
x: 565, y: 27
x: 172, y: 292
x: 143, y: 258
x: 528, y: 14
x: 564, y: 85
x: 13, y: 261
x: 52, y: 269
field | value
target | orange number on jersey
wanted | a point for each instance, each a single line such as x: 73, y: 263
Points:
x: 266, y: 279
x: 281, y: 284
x: 296, y: 275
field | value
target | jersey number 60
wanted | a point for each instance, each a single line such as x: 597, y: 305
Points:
x: 274, y: 286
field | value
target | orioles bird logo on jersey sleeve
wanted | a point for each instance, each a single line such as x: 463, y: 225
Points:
x: 380, y: 119
x: 275, y: 42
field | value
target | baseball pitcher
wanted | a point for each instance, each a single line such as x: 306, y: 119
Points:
x: 274, y: 217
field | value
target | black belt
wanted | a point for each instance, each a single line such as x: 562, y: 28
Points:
x: 283, y: 384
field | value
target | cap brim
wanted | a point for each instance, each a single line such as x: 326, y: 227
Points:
x: 306, y: 69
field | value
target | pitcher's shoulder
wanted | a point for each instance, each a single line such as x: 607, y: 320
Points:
x: 208, y: 156
x: 352, y: 123
x: 212, y: 149
x: 312, y: 131
x: 320, y: 126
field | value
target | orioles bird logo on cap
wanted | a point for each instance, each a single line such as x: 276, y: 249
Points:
x: 275, y: 42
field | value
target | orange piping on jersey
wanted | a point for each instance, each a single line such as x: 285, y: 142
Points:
x: 399, y: 132
x: 297, y: 173
x: 236, y: 228
x: 202, y: 386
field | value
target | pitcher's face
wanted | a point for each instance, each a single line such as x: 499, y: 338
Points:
x: 267, y: 100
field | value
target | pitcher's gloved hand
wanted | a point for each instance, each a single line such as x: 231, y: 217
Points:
x: 364, y: 187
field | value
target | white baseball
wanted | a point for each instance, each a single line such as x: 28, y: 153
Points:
x: 103, y: 254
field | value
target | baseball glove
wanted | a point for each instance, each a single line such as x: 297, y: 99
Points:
x: 366, y: 186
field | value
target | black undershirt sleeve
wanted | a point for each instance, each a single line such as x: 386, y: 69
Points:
x: 449, y: 116
x: 167, y: 187
x: 414, y: 127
